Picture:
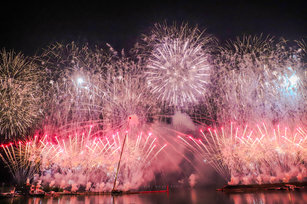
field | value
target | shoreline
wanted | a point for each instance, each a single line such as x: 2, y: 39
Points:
x: 56, y: 194
x: 290, y: 186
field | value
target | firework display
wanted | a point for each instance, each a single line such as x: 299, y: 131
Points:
x: 76, y: 84
x: 94, y: 85
x: 84, y: 159
x: 178, y: 68
x: 259, y: 77
x: 102, y: 119
x: 253, y: 155
x: 127, y: 96
x: 20, y: 94
x: 22, y: 159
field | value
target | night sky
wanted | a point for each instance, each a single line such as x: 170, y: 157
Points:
x: 29, y: 27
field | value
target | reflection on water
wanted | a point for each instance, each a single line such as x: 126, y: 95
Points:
x: 270, y: 197
x: 178, y: 196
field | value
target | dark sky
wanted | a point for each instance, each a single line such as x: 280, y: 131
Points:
x: 30, y: 26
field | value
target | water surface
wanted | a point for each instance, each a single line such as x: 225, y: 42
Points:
x: 184, y: 196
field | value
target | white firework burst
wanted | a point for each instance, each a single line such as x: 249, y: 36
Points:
x: 178, y: 68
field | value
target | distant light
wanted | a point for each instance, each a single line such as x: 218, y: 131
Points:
x: 293, y: 80
x: 80, y: 80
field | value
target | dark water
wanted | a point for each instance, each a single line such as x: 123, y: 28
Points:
x: 176, y: 197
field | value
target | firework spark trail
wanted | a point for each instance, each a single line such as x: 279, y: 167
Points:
x: 22, y: 159
x: 20, y: 94
x: 259, y: 77
x: 253, y: 155
x: 177, y: 69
